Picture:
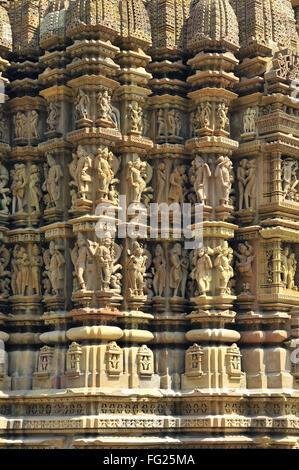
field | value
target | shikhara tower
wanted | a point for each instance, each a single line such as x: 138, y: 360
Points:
x: 140, y: 343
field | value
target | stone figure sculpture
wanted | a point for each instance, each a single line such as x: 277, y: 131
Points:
x: 159, y: 271
x: 136, y: 268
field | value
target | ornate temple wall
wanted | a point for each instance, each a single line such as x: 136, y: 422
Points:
x: 109, y: 340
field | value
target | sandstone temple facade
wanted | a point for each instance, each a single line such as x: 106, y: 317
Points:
x: 117, y: 341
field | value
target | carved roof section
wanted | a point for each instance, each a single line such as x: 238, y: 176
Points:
x: 25, y: 16
x: 53, y: 25
x: 89, y: 17
x: 5, y: 29
x: 135, y: 23
x: 212, y: 25
x: 265, y: 25
x: 168, y: 22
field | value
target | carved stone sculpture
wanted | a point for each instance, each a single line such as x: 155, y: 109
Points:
x: 4, y: 190
x: 246, y: 175
x: 104, y: 171
x: 104, y: 102
x: 136, y: 178
x: 36, y: 264
x: 79, y: 255
x: 56, y: 269
x: 204, y: 114
x: 223, y: 179
x: 19, y: 183
x: 53, y: 176
x: 161, y: 130
x: 288, y: 268
x: 82, y: 105
x: 53, y: 114
x: 177, y: 190
x: 4, y: 127
x: 161, y: 182
x: 5, y: 274
x: 20, y: 125
x: 249, y: 118
x: 245, y: 255
x: 202, y: 271
x: 35, y: 193
x: 222, y: 121
x: 82, y: 174
x: 176, y: 271
x: 135, y: 268
x: 222, y: 263
x: 32, y: 121
x: 289, y: 178
x: 199, y: 175
x: 159, y: 271
x: 135, y: 117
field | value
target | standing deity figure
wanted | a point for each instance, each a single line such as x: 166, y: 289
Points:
x: 19, y: 182
x: 223, y: 176
x: 199, y: 175
x: 136, y: 268
x: 33, y: 120
x: 36, y: 263
x: 282, y: 64
x: 22, y: 265
x: 4, y: 190
x: 4, y: 274
x: 82, y: 177
x: 104, y: 261
x: 115, y: 276
x: 292, y: 267
x: 223, y: 266
x: 289, y: 177
x: 202, y: 270
x: 178, y: 123
x: 56, y: 268
x: 288, y: 268
x: 104, y: 102
x: 136, y: 174
x: 204, y: 113
x: 161, y: 123
x: 176, y: 271
x: 4, y: 127
x: 135, y: 117
x: 102, y: 165
x: 52, y: 183
x: 177, y: 190
x: 20, y: 123
x: 185, y: 264
x: 82, y: 105
x: 159, y: 271
x: 171, y: 123
x: 245, y: 258
x: 249, y: 118
x: 193, y: 124
x: 241, y: 177
x: 284, y: 265
x: 250, y: 185
x: 52, y: 116
x: 46, y: 274
x: 72, y: 170
x: 80, y: 255
x: 161, y: 181
x: 14, y: 269
x: 145, y: 124
x: 35, y: 193
x: 222, y: 121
